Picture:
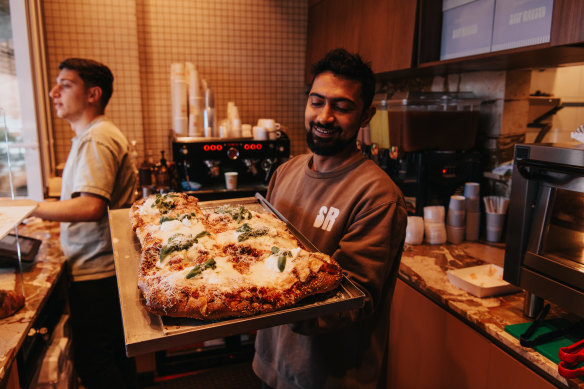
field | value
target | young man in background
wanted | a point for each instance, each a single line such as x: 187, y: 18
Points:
x: 98, y: 173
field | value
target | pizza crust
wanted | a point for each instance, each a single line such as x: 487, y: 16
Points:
x: 225, y: 262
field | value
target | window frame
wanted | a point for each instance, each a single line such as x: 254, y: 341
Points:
x: 31, y: 74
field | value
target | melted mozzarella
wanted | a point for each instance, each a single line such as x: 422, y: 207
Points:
x: 172, y: 227
x: 147, y: 207
x: 272, y: 263
x: 265, y: 273
x: 227, y: 237
x: 224, y: 276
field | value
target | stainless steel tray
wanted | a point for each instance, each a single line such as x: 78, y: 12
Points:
x: 145, y: 332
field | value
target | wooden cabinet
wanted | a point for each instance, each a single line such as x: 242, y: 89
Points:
x: 567, y: 26
x: 387, y: 33
x: 402, y: 38
x: 430, y: 348
x: 382, y: 31
x: 505, y: 372
x: 567, y: 31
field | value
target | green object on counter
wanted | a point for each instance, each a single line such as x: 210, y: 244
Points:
x: 549, y: 349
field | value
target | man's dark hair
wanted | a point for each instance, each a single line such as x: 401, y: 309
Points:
x: 92, y: 73
x: 350, y: 66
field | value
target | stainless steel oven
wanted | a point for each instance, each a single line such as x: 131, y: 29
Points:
x: 544, y: 253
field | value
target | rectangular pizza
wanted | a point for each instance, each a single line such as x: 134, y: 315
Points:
x: 221, y: 262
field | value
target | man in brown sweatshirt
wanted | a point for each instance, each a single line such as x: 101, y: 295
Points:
x: 350, y: 209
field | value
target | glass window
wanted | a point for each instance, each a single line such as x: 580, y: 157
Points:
x: 20, y: 155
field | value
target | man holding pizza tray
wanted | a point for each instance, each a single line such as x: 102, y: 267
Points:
x: 350, y: 209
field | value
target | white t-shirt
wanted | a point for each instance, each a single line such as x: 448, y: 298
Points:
x: 99, y: 163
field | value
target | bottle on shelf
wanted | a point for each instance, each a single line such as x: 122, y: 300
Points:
x: 146, y: 175
x: 162, y: 175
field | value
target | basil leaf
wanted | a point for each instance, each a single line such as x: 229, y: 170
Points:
x: 195, y: 271
x: 282, y: 262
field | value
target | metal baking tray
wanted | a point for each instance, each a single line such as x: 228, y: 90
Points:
x: 145, y: 332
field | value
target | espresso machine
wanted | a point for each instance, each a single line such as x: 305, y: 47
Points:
x: 430, y: 177
x: 201, y: 164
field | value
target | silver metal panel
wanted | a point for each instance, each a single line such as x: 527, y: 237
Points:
x: 145, y: 332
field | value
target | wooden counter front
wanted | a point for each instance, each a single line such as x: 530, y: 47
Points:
x: 449, y: 327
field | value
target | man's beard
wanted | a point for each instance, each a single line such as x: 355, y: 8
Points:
x: 327, y: 147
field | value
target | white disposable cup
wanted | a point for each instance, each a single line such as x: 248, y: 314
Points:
x: 415, y: 230
x: 472, y: 189
x: 456, y: 218
x: 495, y: 222
x: 455, y: 234
x: 434, y: 214
x: 269, y: 124
x: 457, y: 203
x: 223, y: 131
x: 231, y: 180
x: 246, y: 130
x: 260, y: 133
x: 473, y: 225
x: 180, y: 125
x: 473, y: 204
x: 435, y: 233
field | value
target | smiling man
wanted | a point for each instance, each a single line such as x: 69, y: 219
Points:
x: 98, y: 173
x: 350, y: 209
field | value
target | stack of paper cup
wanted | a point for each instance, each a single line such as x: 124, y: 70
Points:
x: 434, y: 228
x: 178, y: 100
x: 415, y: 230
x: 473, y: 210
x: 456, y: 221
x: 496, y: 208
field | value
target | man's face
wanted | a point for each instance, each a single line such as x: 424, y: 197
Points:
x: 334, y: 114
x: 70, y: 97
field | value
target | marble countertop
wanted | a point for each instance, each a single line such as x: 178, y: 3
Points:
x: 39, y: 279
x: 424, y: 268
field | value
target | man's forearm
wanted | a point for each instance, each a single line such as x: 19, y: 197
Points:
x: 78, y: 209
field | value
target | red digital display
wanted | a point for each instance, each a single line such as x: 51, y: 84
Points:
x: 246, y: 146
x: 252, y: 146
x: 212, y: 147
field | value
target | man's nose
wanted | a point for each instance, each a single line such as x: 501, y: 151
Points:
x: 53, y: 91
x: 325, y: 115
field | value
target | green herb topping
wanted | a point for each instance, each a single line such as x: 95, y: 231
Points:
x: 164, y: 203
x: 167, y: 218
x: 195, y: 271
x: 238, y: 213
x: 247, y: 232
x: 281, y: 257
x: 178, y: 242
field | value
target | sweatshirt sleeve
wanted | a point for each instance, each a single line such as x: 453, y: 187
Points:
x: 369, y: 252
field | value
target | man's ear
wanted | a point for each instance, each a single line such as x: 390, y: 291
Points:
x: 94, y: 95
x: 367, y: 115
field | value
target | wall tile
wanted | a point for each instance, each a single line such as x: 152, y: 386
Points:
x: 251, y: 52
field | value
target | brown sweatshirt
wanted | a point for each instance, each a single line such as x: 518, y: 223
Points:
x: 356, y: 214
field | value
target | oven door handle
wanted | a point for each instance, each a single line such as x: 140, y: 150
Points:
x: 523, y: 166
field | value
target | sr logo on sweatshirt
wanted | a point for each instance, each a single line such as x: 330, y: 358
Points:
x: 326, y: 218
